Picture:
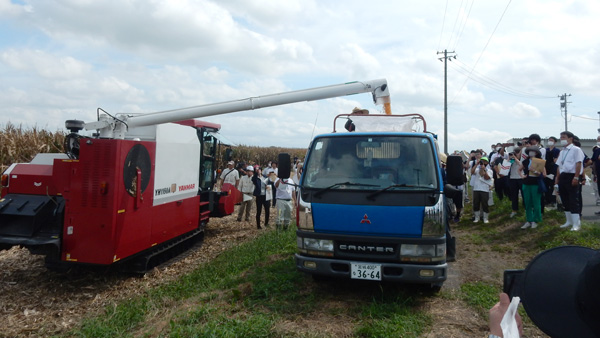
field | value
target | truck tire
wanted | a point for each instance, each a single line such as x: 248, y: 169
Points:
x: 435, y: 287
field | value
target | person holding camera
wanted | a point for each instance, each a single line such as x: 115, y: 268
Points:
x: 481, y: 180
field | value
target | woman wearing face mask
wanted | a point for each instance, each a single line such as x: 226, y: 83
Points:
x: 515, y: 179
x: 531, y: 194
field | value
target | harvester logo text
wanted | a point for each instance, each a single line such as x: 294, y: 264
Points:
x: 187, y: 187
x: 174, y: 188
x: 162, y: 191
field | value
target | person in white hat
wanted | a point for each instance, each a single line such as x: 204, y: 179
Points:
x: 229, y: 175
x: 247, y: 189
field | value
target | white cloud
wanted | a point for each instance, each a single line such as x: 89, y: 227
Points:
x: 61, y: 60
x: 520, y: 111
x: 45, y: 64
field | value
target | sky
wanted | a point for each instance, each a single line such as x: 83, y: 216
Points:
x: 63, y: 59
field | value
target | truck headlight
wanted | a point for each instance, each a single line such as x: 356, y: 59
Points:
x: 318, y: 244
x: 418, y: 250
x: 434, y: 224
x: 422, y: 252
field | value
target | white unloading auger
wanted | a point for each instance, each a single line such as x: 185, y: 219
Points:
x: 109, y: 127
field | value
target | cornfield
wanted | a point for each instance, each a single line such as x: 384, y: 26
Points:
x: 20, y: 145
x: 261, y: 155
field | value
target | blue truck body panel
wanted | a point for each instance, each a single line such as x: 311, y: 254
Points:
x: 368, y: 220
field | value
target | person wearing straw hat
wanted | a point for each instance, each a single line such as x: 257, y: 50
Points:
x: 356, y: 111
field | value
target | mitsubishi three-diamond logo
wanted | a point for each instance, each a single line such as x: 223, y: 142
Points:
x: 365, y: 220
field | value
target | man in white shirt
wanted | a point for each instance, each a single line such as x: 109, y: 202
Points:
x: 229, y: 175
x: 246, y: 187
x: 570, y: 164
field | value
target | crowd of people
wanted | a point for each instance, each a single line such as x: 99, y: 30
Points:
x: 262, y: 189
x: 529, y: 175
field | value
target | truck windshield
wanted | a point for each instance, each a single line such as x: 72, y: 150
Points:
x: 370, y: 162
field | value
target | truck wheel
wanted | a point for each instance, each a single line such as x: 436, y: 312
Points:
x: 435, y: 287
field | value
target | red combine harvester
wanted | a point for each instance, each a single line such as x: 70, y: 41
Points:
x: 137, y: 191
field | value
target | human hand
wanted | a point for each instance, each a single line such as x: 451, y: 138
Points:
x: 497, y: 313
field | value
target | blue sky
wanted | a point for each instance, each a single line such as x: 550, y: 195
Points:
x: 61, y: 60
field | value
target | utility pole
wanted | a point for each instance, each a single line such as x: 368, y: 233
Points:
x: 445, y: 60
x: 563, y: 106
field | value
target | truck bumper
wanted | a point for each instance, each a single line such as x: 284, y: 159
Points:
x: 393, y: 272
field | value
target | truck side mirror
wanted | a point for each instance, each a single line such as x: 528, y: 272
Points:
x: 228, y: 154
x: 284, y: 165
x: 454, y: 170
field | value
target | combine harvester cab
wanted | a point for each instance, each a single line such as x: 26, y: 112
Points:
x: 371, y: 203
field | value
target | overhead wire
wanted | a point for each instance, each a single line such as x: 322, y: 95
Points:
x: 583, y: 117
x: 482, y: 51
x: 455, y: 21
x: 464, y: 23
x: 491, y: 83
x: 443, y: 24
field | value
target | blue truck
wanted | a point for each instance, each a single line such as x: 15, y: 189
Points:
x: 372, y: 205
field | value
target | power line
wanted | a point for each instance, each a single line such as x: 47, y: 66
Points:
x: 483, y: 50
x: 491, y: 83
x: 583, y: 117
x: 455, y: 21
x: 443, y: 24
x: 464, y: 23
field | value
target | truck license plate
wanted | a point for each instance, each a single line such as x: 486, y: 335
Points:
x: 365, y: 271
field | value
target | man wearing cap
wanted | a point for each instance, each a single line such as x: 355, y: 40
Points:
x: 247, y: 189
x: 229, y: 175
x: 481, y: 181
x: 570, y: 162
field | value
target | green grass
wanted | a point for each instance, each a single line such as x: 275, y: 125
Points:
x: 394, y: 317
x: 221, y: 273
x: 479, y: 295
x: 252, y: 290
x: 207, y: 321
